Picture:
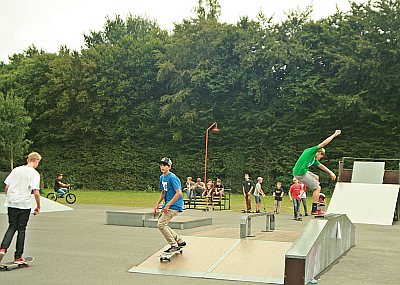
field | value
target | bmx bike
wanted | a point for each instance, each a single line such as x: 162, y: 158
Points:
x: 69, y: 197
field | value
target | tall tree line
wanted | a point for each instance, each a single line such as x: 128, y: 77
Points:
x: 106, y: 114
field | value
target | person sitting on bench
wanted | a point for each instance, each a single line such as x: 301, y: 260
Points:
x: 199, y: 187
x: 218, y: 190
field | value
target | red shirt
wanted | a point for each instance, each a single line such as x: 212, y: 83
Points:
x: 295, y: 191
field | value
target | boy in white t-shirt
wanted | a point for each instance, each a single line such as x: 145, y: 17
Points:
x: 20, y: 184
x: 303, y: 198
x: 258, y: 192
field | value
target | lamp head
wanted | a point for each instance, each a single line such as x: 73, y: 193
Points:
x: 215, y: 130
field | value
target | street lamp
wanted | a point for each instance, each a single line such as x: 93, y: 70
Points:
x: 215, y: 130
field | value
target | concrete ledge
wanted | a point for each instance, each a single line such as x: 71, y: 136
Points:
x: 181, y: 222
x: 134, y: 218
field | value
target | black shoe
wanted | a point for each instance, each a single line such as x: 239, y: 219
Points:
x: 172, y: 249
x: 181, y: 244
x: 305, y: 214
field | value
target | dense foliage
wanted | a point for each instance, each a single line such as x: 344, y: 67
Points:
x: 106, y: 114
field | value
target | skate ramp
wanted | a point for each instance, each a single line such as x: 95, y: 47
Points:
x: 365, y: 203
x: 46, y: 205
x: 223, y: 258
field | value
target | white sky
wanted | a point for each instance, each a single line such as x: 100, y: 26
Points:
x: 48, y: 24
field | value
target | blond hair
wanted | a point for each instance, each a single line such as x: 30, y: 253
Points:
x: 34, y: 156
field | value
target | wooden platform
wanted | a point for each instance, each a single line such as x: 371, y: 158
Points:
x: 223, y: 258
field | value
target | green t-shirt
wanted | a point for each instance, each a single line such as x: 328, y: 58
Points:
x: 306, y: 159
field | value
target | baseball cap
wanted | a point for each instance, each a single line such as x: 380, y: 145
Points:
x: 322, y: 150
x: 165, y: 160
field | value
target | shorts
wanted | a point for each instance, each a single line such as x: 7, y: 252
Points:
x: 278, y: 198
x: 309, y: 179
x: 258, y: 199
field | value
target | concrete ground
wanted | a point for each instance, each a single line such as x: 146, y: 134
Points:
x: 76, y: 247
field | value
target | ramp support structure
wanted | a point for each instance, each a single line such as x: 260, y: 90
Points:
x: 322, y: 242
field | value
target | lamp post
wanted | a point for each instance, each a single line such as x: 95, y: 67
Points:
x: 215, y: 130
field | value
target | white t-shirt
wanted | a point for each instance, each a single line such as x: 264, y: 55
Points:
x: 303, y: 187
x: 257, y: 190
x: 21, y: 181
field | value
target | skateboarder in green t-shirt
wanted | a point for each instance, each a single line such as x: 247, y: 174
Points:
x: 312, y: 156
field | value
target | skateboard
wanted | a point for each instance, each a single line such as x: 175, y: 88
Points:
x: 167, y: 256
x: 7, y: 266
x: 319, y: 216
x: 299, y: 218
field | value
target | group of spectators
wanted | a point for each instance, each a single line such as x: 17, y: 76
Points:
x: 297, y: 195
x: 208, y: 190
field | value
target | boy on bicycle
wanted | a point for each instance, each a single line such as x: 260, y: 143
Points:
x: 59, y: 186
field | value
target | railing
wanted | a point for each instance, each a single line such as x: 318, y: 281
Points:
x: 392, y: 169
x: 245, y: 223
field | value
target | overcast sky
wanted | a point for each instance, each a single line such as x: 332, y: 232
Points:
x: 48, y: 24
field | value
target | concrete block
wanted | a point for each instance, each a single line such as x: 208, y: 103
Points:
x: 134, y: 218
x: 181, y: 222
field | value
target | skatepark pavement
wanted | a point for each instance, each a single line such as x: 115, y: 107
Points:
x: 76, y: 247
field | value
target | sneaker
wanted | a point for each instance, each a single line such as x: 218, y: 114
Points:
x: 19, y: 260
x: 172, y: 249
x: 306, y: 214
x: 181, y: 244
x: 3, y: 252
x: 315, y: 213
x: 320, y: 212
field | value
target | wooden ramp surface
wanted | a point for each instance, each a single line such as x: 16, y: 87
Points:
x: 223, y: 258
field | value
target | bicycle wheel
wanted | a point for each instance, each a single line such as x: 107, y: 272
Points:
x: 70, y: 198
x: 51, y: 196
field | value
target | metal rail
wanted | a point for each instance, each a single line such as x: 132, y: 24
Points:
x: 245, y: 223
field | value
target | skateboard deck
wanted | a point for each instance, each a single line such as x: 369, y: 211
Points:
x: 7, y: 266
x: 167, y: 256
x: 319, y: 216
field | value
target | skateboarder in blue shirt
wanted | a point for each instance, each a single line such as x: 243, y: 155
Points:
x: 171, y: 193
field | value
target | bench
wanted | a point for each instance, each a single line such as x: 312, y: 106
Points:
x: 201, y: 202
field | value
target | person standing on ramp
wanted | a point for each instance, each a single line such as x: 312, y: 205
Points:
x: 171, y: 193
x: 312, y: 156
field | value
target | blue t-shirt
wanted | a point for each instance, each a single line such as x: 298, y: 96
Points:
x: 170, y: 184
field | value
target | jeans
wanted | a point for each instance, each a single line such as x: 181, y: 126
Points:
x: 304, y: 201
x: 190, y: 193
x: 248, y: 201
x: 172, y: 237
x: 296, y: 207
x: 17, y: 219
x: 61, y: 191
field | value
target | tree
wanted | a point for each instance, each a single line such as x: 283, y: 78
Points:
x: 14, y: 124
